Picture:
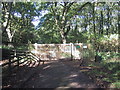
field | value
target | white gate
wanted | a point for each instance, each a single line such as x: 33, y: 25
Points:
x: 58, y: 51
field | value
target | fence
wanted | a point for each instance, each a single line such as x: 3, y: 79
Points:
x: 59, y: 51
x: 43, y: 52
x: 15, y: 59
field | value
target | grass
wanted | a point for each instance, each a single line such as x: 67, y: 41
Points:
x: 115, y: 84
x: 108, y: 73
x: 22, y: 47
x: 66, y: 55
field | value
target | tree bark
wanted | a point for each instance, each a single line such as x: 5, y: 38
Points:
x: 101, y: 24
x: 6, y: 24
x: 94, y: 19
x: 118, y: 28
x: 108, y: 21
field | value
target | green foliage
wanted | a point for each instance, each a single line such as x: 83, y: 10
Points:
x: 66, y: 55
x: 22, y: 47
x: 20, y: 23
x: 115, y: 85
x: 108, y: 72
x: 19, y: 47
x: 109, y: 42
x: 113, y: 70
x: 6, y: 47
x: 109, y: 55
x: 88, y: 53
x: 64, y: 19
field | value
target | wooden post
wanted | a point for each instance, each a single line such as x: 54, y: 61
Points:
x: 35, y: 48
x: 43, y: 62
x: 16, y: 57
x: 9, y: 65
x: 71, y: 51
x: 18, y: 63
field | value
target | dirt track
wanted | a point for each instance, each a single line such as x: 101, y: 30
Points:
x: 58, y: 74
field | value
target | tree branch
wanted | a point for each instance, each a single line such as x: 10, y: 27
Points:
x: 88, y: 3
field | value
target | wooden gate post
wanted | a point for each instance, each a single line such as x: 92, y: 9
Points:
x: 18, y: 62
x: 9, y: 65
x: 71, y: 51
x: 35, y: 48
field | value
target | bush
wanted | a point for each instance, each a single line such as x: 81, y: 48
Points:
x: 108, y: 42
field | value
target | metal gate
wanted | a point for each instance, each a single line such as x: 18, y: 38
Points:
x: 58, y: 51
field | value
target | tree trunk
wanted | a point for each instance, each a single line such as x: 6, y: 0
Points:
x: 101, y: 24
x: 118, y: 28
x: 94, y: 31
x: 63, y: 37
x: 6, y: 24
x: 108, y: 21
x: 63, y: 40
x: 94, y: 19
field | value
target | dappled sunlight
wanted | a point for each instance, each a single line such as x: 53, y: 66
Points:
x: 74, y: 85
x: 73, y: 75
x: 56, y: 74
x: 21, y: 75
x: 70, y: 85
x: 84, y: 70
x: 62, y: 88
x: 46, y: 67
x: 60, y: 44
x: 7, y: 86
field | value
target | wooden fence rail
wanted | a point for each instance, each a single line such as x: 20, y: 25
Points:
x: 16, y: 58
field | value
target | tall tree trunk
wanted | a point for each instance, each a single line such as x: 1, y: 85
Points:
x: 63, y: 36
x: 94, y: 19
x: 101, y: 23
x: 6, y: 24
x: 94, y: 26
x: 108, y: 21
x: 118, y: 28
x: 94, y: 31
x: 118, y: 21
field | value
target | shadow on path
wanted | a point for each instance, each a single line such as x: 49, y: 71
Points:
x: 59, y: 74
x: 55, y: 74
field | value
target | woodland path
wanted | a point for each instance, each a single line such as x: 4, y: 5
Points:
x: 57, y: 74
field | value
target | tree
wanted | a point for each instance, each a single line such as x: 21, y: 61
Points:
x: 62, y: 14
x: 17, y: 22
x: 59, y: 22
x: 6, y: 10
